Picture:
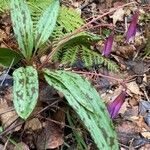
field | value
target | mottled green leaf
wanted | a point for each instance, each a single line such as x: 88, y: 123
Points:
x: 7, y: 56
x: 46, y: 24
x: 85, y: 100
x: 25, y: 90
x: 23, y: 26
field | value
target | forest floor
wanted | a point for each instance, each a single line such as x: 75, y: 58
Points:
x: 50, y: 124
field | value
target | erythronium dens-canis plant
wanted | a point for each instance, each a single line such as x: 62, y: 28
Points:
x: 83, y: 99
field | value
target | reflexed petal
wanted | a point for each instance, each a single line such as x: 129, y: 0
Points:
x: 108, y: 46
x: 114, y: 107
x: 132, y: 27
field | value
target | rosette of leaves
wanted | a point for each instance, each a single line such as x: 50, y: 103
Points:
x: 83, y: 99
x: 78, y: 48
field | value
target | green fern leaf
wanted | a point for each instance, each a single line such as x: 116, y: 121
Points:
x: 70, y: 55
x: 78, y: 48
x: 69, y: 20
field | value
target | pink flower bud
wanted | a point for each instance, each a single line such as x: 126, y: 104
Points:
x: 114, y: 107
x: 108, y: 46
x: 132, y: 27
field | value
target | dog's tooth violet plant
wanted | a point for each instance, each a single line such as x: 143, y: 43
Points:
x: 132, y: 27
x: 108, y: 46
x: 114, y: 107
x: 79, y: 93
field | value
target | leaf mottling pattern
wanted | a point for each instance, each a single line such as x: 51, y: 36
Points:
x: 46, y: 24
x: 25, y: 90
x: 22, y: 26
x: 84, y: 99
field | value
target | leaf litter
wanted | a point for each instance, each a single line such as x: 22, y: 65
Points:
x: 132, y: 120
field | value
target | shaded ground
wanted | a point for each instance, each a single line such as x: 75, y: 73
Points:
x: 51, y: 125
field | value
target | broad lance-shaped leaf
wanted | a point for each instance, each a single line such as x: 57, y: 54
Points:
x: 84, y: 99
x: 25, y: 90
x: 7, y: 56
x: 23, y: 26
x: 46, y: 24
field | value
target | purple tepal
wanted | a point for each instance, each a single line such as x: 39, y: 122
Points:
x: 114, y: 107
x: 132, y: 27
x: 108, y: 46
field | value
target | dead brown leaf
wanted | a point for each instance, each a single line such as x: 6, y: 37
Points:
x: 126, y: 131
x: 146, y: 134
x: 141, y: 125
x: 50, y: 137
x: 118, y: 15
x: 8, y: 116
x: 125, y: 51
x: 33, y: 124
x: 133, y: 88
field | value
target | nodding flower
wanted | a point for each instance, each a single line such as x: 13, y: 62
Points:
x: 114, y: 107
x: 108, y: 46
x: 132, y: 27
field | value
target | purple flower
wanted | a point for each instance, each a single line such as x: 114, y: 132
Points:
x: 114, y: 107
x: 108, y: 46
x: 132, y: 27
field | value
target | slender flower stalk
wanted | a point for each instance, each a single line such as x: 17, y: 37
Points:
x: 132, y: 27
x: 114, y: 107
x: 108, y: 46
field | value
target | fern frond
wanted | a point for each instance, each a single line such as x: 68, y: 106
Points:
x: 78, y: 49
x: 91, y: 58
x: 37, y: 7
x: 68, y: 21
x: 70, y: 56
